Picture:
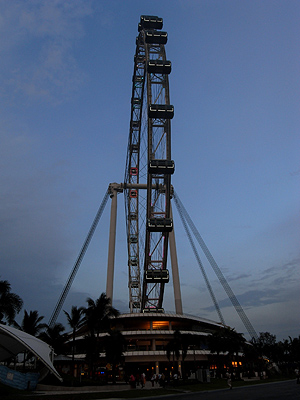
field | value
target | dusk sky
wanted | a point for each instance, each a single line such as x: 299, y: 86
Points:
x: 66, y: 75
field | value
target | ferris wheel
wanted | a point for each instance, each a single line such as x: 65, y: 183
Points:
x: 147, y: 191
x: 147, y: 182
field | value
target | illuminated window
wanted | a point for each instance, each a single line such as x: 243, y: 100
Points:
x: 162, y: 325
x: 236, y: 364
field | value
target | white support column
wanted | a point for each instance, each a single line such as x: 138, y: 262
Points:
x: 179, y: 368
x: 112, y: 243
x: 175, y: 273
x: 153, y: 344
x: 157, y: 367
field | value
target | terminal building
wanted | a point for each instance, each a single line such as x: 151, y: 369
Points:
x: 148, y: 335
x: 147, y: 338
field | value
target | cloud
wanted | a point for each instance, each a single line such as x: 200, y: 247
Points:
x: 251, y: 298
x: 295, y: 173
x: 261, y: 296
x: 56, y: 19
x: 38, y: 49
x: 33, y: 240
x: 281, y: 276
x: 240, y: 276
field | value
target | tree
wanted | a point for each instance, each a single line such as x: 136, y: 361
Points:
x: 10, y: 303
x: 31, y: 323
x: 226, y: 340
x: 173, y: 347
x: 97, y: 315
x: 75, y: 320
x: 266, y: 344
x: 114, y: 345
x: 294, y: 349
x: 252, y: 360
x: 216, y: 346
x: 54, y: 336
x: 179, y: 344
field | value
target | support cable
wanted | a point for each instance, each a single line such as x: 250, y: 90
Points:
x: 199, y: 261
x: 217, y: 270
x: 78, y: 261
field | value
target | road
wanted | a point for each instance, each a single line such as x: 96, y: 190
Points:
x: 269, y: 391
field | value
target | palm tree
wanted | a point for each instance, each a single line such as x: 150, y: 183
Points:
x: 97, y: 314
x: 235, y: 341
x: 91, y: 351
x: 31, y: 323
x: 75, y: 320
x: 216, y: 346
x: 10, y: 303
x: 226, y: 340
x: 179, y: 344
x: 54, y: 336
x: 294, y: 347
x: 266, y: 344
x: 114, y: 345
x: 173, y: 347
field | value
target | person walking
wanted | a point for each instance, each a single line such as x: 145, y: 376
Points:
x: 132, y: 381
x: 153, y: 378
x: 229, y: 380
x: 143, y: 380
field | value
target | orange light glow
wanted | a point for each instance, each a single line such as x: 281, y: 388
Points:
x: 236, y: 364
x: 160, y: 325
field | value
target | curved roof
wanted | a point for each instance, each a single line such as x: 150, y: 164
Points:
x: 13, y: 341
x: 170, y: 315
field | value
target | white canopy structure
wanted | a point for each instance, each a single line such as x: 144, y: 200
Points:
x: 14, y: 341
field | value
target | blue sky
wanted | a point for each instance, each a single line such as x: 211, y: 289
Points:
x: 66, y: 70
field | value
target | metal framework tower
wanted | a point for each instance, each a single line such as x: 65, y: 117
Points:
x: 147, y: 190
x: 147, y: 183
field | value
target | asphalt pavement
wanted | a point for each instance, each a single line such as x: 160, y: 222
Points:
x: 284, y: 390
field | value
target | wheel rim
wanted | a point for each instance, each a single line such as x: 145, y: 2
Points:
x: 148, y: 170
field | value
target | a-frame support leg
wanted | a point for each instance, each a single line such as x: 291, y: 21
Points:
x: 175, y: 273
x: 112, y: 243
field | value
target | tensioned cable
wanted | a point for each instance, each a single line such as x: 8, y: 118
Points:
x: 199, y: 260
x: 216, y: 269
x: 78, y: 261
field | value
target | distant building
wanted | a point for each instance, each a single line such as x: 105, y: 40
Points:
x: 147, y: 336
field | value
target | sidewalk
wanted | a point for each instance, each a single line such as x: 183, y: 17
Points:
x: 55, y: 390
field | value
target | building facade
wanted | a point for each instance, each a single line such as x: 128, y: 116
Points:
x: 150, y: 345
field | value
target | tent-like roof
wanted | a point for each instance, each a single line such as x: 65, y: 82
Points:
x: 14, y: 341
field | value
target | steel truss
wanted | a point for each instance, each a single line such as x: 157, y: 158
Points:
x: 149, y: 163
x: 147, y: 190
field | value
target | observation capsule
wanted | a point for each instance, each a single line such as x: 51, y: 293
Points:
x: 150, y: 22
x: 161, y: 167
x: 159, y: 66
x: 153, y: 309
x: 165, y: 111
x: 133, y: 239
x: 156, y: 37
x: 133, y: 261
x: 134, y: 284
x: 157, y: 275
x: 159, y: 224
